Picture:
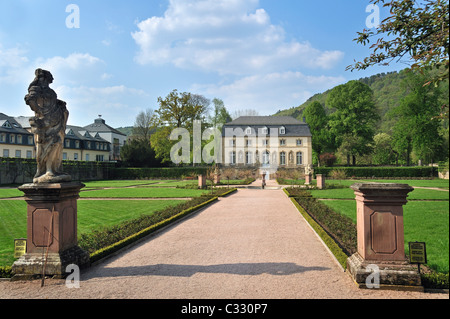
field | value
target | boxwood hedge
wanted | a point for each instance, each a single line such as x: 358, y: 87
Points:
x: 381, y: 172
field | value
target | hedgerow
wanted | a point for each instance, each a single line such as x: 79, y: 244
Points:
x: 377, y: 172
x: 339, y: 227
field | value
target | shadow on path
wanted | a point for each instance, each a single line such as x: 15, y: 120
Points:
x: 277, y: 269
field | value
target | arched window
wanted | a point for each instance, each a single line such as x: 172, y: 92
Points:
x: 282, y: 158
x: 248, y: 158
x: 232, y: 158
x: 299, y: 158
x: 266, y: 158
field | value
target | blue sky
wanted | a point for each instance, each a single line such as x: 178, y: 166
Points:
x: 263, y: 55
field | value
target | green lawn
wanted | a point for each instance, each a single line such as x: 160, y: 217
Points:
x: 435, y: 183
x: 142, y: 192
x: 10, y: 192
x: 91, y: 215
x: 121, y: 183
x: 348, y: 193
x: 171, y: 183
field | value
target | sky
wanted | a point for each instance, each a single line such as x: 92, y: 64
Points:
x: 114, y: 58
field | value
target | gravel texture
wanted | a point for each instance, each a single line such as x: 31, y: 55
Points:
x: 253, y: 244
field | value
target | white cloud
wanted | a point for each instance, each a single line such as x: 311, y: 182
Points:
x: 12, y: 60
x: 74, y: 69
x: 118, y: 105
x: 17, y: 68
x: 76, y: 81
x: 269, y: 92
x: 224, y: 36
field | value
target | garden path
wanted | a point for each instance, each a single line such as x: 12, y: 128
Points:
x: 253, y: 244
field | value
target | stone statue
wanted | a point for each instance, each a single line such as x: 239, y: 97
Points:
x: 48, y: 126
x: 308, y: 169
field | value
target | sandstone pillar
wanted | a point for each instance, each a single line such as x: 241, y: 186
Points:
x: 381, y: 237
x: 320, y: 181
x: 308, y: 179
x: 202, y: 181
x: 51, y: 231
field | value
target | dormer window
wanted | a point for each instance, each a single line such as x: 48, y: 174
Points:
x: 248, y: 130
x: 69, y: 132
x: 265, y: 130
x: 6, y: 124
x: 282, y: 130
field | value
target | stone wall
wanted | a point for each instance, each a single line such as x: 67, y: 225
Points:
x: 21, y: 171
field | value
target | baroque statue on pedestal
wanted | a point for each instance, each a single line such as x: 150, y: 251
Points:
x: 48, y: 126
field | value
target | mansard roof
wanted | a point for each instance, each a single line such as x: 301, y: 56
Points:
x: 292, y: 126
x: 8, y: 124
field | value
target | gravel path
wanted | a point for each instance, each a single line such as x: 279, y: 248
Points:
x: 251, y: 245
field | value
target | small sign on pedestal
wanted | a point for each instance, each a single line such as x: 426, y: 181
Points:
x: 20, y: 247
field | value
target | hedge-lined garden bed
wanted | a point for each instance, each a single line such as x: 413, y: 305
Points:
x: 339, y: 227
x: 109, y: 239
x: 103, y: 242
x: 339, y: 233
x: 381, y: 172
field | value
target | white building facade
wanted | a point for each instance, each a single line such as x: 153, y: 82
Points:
x: 267, y: 142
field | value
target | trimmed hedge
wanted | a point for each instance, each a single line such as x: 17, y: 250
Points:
x: 339, y: 227
x: 329, y: 241
x: 435, y: 280
x: 296, y: 192
x: 5, y: 272
x: 146, y: 173
x: 89, y: 241
x: 377, y: 172
x: 227, y: 192
x: 340, y: 234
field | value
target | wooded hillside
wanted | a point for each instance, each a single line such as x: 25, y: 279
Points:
x: 387, y: 89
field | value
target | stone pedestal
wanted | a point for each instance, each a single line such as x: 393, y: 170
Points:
x: 320, y: 181
x: 201, y: 181
x: 381, y: 236
x: 51, y: 231
x: 308, y: 179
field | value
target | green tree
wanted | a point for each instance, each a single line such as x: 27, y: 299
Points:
x: 220, y: 114
x: 354, y: 119
x: 317, y: 120
x: 161, y: 143
x: 417, y: 128
x: 415, y: 30
x: 176, y: 110
x: 181, y: 109
x: 383, y: 154
x: 139, y: 153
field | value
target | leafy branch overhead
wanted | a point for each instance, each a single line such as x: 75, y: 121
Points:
x: 417, y: 31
